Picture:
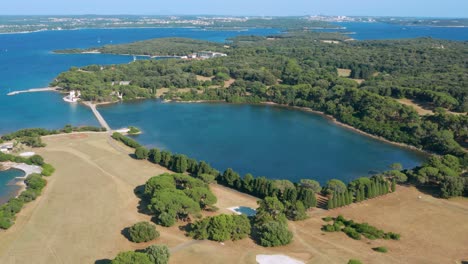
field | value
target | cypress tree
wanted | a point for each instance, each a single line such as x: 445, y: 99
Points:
x: 386, y: 187
x: 358, y: 195
x: 350, y: 198
x: 342, y: 199
x: 330, y: 203
x: 393, y: 185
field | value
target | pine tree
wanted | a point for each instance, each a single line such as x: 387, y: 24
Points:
x: 393, y: 185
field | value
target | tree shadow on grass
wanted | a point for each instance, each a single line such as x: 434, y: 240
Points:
x: 431, y: 190
x: 126, y: 233
x: 143, y: 203
x: 102, y: 261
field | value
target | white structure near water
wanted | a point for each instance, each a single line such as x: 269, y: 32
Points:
x: 72, y: 97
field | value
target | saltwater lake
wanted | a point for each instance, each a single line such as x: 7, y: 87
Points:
x: 263, y: 140
x: 7, y: 187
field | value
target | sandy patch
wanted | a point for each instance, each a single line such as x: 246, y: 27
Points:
x: 276, y: 259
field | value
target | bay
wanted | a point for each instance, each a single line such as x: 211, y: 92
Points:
x: 263, y: 140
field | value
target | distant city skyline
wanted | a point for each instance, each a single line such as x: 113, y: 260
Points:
x: 401, y: 8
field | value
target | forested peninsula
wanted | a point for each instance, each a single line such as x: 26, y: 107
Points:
x: 357, y: 82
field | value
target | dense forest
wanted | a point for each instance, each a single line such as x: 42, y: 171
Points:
x: 157, y: 47
x: 301, y: 69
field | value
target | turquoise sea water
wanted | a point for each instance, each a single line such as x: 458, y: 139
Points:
x: 263, y: 140
x: 7, y: 187
x: 256, y: 139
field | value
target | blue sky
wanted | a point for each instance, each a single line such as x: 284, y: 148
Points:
x: 427, y: 8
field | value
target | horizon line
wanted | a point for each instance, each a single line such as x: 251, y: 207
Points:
x: 240, y: 15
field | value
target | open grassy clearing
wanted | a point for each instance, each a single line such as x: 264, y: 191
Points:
x: 90, y: 200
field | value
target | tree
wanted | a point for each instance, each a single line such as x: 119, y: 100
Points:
x: 154, y: 155
x: 335, y: 185
x: 166, y: 157
x: 311, y: 184
x: 247, y: 183
x: 141, y: 153
x: 452, y: 187
x: 393, y: 185
x: 307, y: 197
x: 396, y: 166
x: 273, y: 233
x: 296, y: 211
x: 143, y: 232
x: 179, y: 163
x: 158, y: 254
x: 131, y: 257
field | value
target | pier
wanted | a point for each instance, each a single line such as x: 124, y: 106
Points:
x: 34, y: 90
x: 98, y: 116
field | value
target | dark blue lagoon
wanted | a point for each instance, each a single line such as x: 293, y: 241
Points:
x: 266, y: 141
x: 8, y: 189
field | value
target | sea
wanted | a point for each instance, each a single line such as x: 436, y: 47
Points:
x: 269, y: 141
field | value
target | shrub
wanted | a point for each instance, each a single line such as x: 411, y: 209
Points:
x: 380, y: 249
x: 327, y: 219
x: 354, y: 261
x: 352, y: 233
x: 143, y: 232
x: 5, y: 222
x: 141, y: 153
x: 36, y: 159
x: 329, y: 228
x: 131, y: 257
x: 133, y: 130
x: 35, y: 182
x: 47, y: 169
x: 158, y: 254
x: 28, y: 196
x: 208, y: 178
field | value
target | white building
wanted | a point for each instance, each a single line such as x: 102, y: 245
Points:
x: 6, y: 148
x: 72, y: 97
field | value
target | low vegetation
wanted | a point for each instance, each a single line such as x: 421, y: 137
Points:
x: 142, y: 232
x: 380, y: 249
x: 155, y: 254
x: 221, y: 228
x: 355, y: 230
x: 32, y: 136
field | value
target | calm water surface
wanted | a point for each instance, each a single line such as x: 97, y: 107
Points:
x: 264, y: 140
x: 7, y: 187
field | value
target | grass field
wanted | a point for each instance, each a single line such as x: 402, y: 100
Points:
x: 90, y: 200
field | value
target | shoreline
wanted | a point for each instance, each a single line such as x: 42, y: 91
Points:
x: 349, y: 127
x: 305, y: 109
x: 25, y: 168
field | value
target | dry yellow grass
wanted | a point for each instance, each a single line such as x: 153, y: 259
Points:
x: 90, y: 200
x: 417, y: 107
x: 344, y: 72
